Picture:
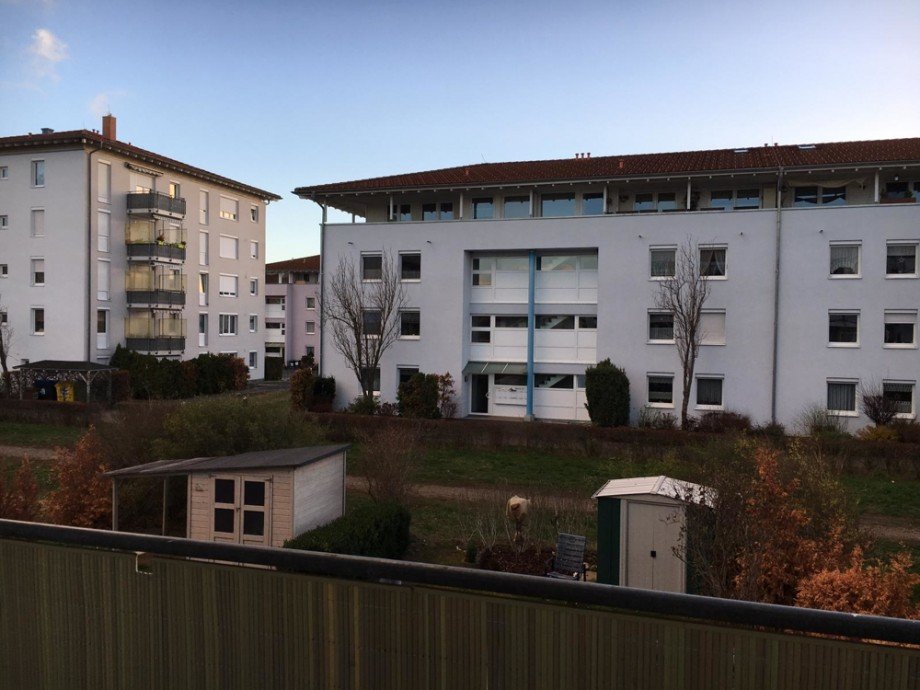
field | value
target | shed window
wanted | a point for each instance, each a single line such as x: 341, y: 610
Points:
x: 223, y: 520
x: 254, y: 493
x: 224, y: 491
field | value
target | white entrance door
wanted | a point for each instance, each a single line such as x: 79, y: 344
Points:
x: 242, y: 510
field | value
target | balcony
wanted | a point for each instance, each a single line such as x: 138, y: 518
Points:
x: 155, y: 334
x: 154, y: 287
x: 156, y: 203
x: 149, y: 239
x: 274, y: 333
x: 274, y: 310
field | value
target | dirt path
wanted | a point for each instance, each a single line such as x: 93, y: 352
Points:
x: 881, y: 526
x: 17, y: 452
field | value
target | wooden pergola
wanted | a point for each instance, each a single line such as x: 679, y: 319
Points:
x: 61, y: 370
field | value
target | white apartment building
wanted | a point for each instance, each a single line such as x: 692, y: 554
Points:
x: 520, y: 275
x: 103, y: 243
x: 292, y: 308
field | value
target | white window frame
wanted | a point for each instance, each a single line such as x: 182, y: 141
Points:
x: 32, y: 311
x: 33, y: 231
x: 33, y: 173
x: 843, y: 413
x: 311, y: 303
x: 253, y: 354
x: 4, y: 172
x: 912, y: 315
x: 232, y: 320
x: 648, y: 328
x: 913, y: 397
x: 696, y: 380
x: 103, y: 172
x: 32, y: 272
x: 221, y: 293
x: 721, y: 312
x: 254, y: 214
x: 699, y: 258
x: 4, y: 222
x: 102, y: 343
x: 104, y: 245
x: 410, y: 280
x: 220, y: 248
x: 903, y: 276
x: 174, y: 189
x: 4, y: 271
x: 410, y: 337
x: 104, y: 295
x: 310, y: 327
x: 370, y: 255
x: 203, y: 341
x: 253, y: 249
x: 253, y: 323
x: 859, y: 260
x: 845, y: 312
x: 253, y: 286
x: 204, y: 212
x: 229, y: 215
x: 204, y: 250
x: 661, y: 248
x: 659, y: 405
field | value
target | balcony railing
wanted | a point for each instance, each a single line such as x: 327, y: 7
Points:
x: 155, y: 334
x: 156, y: 203
x: 149, y: 239
x: 149, y: 286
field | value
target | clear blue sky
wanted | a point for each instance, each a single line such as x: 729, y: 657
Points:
x: 282, y: 94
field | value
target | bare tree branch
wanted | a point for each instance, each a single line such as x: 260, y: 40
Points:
x: 6, y: 339
x: 363, y: 315
x: 684, y: 295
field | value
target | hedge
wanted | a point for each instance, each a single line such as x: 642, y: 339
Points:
x: 152, y: 377
x: 607, y: 391
x: 373, y: 529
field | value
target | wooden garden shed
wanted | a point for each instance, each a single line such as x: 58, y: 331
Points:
x: 641, y: 532
x: 259, y: 498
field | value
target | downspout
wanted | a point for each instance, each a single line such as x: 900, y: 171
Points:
x: 322, y: 274
x: 776, y: 275
x: 531, y: 323
x: 89, y: 254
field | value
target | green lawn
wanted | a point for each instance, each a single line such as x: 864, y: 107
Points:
x: 876, y: 494
x: 38, y: 435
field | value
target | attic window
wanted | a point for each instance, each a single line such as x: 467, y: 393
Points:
x: 741, y: 150
x: 806, y: 147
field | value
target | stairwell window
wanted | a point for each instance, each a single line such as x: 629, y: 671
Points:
x: 253, y: 360
x: 253, y: 323
x: 481, y: 329
x: 253, y: 286
x: 845, y: 260
x: 4, y: 222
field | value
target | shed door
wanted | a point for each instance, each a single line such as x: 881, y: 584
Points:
x: 242, y: 510
x: 653, y: 531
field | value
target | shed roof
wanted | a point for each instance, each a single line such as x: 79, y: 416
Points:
x: 65, y: 365
x: 661, y: 485
x: 260, y: 459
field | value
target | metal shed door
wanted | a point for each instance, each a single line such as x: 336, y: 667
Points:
x: 652, y: 533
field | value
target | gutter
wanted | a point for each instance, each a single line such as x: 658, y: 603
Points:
x: 776, y: 280
x: 322, y: 276
x: 89, y: 255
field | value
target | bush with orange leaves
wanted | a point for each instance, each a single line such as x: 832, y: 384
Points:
x: 875, y: 588
x: 19, y: 500
x: 83, y: 496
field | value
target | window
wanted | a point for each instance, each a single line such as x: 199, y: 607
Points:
x: 900, y: 396
x: 555, y: 205
x: 37, y: 224
x: 229, y: 247
x: 202, y: 289
x: 708, y: 391
x: 4, y: 318
x: 841, y: 397
x: 228, y: 285
x: 902, y: 259
x: 202, y: 330
x: 592, y: 204
x: 667, y: 201
x: 38, y: 272
x: 511, y: 322
x: 587, y: 322
x: 899, y: 190
x: 712, y: 262
x: 410, y: 324
x: 747, y: 198
x: 481, y: 329
x: 901, y: 328
x: 102, y: 329
x: 823, y: 196
x: 371, y: 322
x: 712, y: 328
x: 202, y: 249
x: 483, y: 208
x: 482, y: 272
x: 663, y: 262
x: 410, y: 266
x: 556, y: 322
x: 660, y: 327
x: 441, y: 211
x: 310, y: 350
x: 140, y: 183
x: 254, y: 214
x: 254, y: 364
x: 406, y: 373
x: 4, y: 222
x: 227, y: 324
x: 402, y: 212
x: 510, y: 379
x: 4, y: 172
x: 203, y: 204
x: 104, y: 231
x: 229, y: 208
x: 557, y: 263
x: 253, y: 249
x: 843, y: 329
x: 661, y: 390
x: 845, y: 260
x: 174, y: 190
x: 564, y: 381
x: 103, y: 182
x: 371, y: 267
x: 253, y: 286
x: 311, y: 303
x: 516, y: 207
x: 4, y: 271
x: 38, y: 321
x: 644, y: 203
x: 372, y: 377
x: 38, y: 173
x: 735, y: 199
x: 311, y: 327
x: 253, y: 323
x: 104, y: 282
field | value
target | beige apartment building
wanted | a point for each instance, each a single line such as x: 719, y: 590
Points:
x: 103, y: 243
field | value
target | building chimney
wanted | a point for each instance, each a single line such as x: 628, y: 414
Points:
x: 47, y: 130
x: 108, y: 127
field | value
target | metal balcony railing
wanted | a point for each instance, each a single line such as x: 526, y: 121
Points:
x: 156, y: 203
x: 155, y: 334
x: 150, y: 286
x: 152, y: 239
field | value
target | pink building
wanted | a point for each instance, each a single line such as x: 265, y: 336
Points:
x: 292, y: 308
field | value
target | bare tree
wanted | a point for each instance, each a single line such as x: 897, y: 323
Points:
x: 6, y: 339
x: 361, y: 308
x: 683, y: 295
x: 877, y: 406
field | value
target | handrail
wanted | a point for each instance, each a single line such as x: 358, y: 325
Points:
x: 400, y: 573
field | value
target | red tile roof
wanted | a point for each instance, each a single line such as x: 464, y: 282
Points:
x: 85, y: 137
x: 753, y: 159
x: 304, y: 263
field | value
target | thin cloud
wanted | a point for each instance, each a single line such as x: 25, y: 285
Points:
x: 101, y: 103
x: 47, y: 50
